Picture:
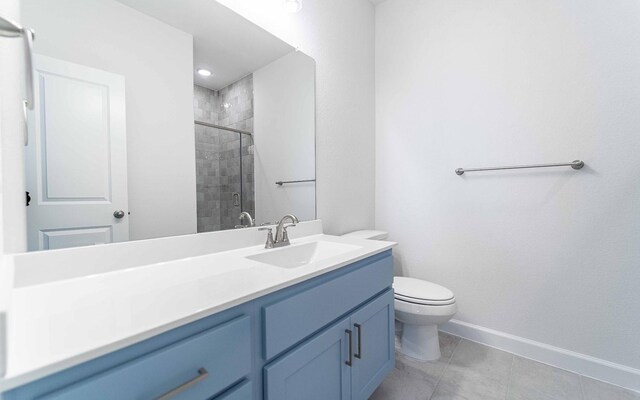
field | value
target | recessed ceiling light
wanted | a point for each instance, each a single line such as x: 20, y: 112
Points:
x: 204, y: 72
x: 292, y: 6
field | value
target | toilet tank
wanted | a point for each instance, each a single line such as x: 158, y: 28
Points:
x: 368, y: 234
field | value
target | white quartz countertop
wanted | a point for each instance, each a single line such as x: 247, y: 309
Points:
x: 55, y: 325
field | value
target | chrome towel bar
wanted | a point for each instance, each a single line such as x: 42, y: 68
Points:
x: 280, y: 183
x: 224, y: 128
x: 577, y: 164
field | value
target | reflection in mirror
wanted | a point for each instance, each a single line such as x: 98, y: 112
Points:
x: 158, y: 118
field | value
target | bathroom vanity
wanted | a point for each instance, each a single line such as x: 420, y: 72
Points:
x: 313, y: 320
x: 140, y: 147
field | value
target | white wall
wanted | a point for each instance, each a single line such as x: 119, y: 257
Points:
x: 284, y: 137
x: 548, y: 255
x: 338, y: 34
x: 157, y: 63
x: 12, y: 210
x: 12, y: 94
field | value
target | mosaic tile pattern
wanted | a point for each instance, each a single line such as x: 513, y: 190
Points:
x: 224, y: 160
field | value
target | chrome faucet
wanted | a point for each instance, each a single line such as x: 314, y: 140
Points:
x: 269, y: 244
x: 246, y: 215
x: 282, y: 238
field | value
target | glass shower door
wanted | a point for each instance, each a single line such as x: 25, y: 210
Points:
x: 224, y: 178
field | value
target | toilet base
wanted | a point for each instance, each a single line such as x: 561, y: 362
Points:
x: 420, y: 342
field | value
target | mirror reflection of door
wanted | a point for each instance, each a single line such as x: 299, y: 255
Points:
x: 76, y: 158
x: 220, y: 122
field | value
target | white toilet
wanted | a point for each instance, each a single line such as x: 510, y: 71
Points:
x: 420, y: 306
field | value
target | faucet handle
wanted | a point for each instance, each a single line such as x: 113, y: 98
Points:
x: 269, y: 243
x: 285, y: 234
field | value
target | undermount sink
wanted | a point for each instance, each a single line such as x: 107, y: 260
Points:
x: 294, y: 256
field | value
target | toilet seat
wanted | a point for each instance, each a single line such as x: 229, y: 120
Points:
x: 417, y: 291
x: 424, y: 301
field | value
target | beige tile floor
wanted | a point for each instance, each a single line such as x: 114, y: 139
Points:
x: 471, y: 371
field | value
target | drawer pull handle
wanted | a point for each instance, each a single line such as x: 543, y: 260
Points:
x: 359, y: 353
x: 349, y: 362
x: 202, y: 375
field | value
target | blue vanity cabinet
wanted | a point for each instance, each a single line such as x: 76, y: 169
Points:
x: 196, y: 368
x: 315, y: 370
x: 346, y: 361
x: 374, y: 353
x: 298, y: 315
x: 242, y: 391
x: 330, y: 337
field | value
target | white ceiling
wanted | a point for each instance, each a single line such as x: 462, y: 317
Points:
x: 224, y: 42
x: 376, y: 2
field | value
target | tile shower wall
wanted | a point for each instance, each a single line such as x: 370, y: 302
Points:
x: 236, y: 111
x: 206, y: 104
x: 220, y: 182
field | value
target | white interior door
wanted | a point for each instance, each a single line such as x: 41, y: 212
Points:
x: 76, y: 157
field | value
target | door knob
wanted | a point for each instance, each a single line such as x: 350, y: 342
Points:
x: 118, y: 214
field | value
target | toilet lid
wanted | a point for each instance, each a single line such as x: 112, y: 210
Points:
x: 421, y: 292
x: 412, y: 300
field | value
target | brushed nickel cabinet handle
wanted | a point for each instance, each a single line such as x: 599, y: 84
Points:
x: 202, y: 375
x: 359, y: 353
x: 349, y: 362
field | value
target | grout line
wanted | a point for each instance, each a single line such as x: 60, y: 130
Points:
x: 584, y: 395
x: 514, y: 355
x: 513, y: 361
x: 446, y: 367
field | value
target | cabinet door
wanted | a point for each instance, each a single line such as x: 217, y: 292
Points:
x: 315, y: 370
x: 374, y: 356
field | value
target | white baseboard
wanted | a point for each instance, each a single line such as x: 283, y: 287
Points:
x: 582, y: 364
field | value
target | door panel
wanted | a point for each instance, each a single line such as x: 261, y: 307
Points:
x: 76, y: 157
x: 63, y: 238
x: 316, y: 370
x: 373, y: 327
x: 75, y: 138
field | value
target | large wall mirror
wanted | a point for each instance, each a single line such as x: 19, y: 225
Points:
x: 158, y: 118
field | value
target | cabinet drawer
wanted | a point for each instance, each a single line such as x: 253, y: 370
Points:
x: 224, y: 352
x: 294, y: 318
x: 241, y: 392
